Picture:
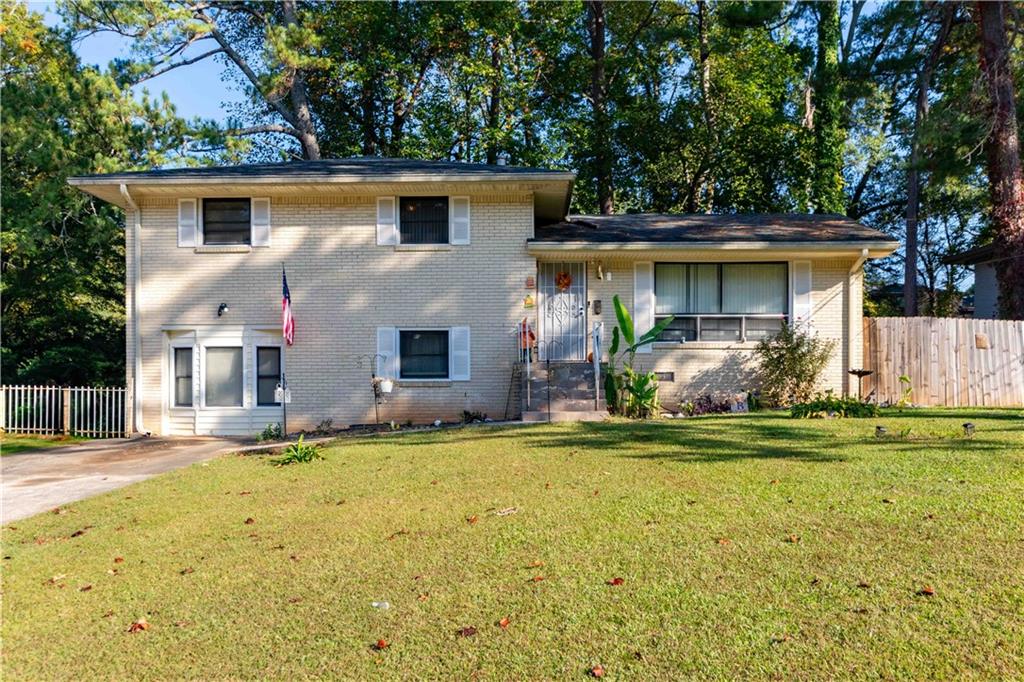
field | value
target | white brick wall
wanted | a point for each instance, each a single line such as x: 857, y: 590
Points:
x: 343, y: 287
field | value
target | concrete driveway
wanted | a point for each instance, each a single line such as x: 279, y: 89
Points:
x: 34, y: 482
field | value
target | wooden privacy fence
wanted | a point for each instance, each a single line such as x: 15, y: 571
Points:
x: 93, y: 412
x: 952, y: 362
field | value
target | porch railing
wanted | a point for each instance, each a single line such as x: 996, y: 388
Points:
x: 93, y: 412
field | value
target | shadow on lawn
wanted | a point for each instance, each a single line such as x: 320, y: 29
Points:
x: 710, y: 439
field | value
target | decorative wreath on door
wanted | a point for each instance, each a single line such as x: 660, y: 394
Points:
x: 563, y: 281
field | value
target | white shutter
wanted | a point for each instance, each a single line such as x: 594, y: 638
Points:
x: 459, y: 344
x: 458, y: 220
x: 260, y: 221
x: 387, y: 221
x: 387, y: 346
x: 802, y: 284
x: 186, y: 222
x: 643, y: 301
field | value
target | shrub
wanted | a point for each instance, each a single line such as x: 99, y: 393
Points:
x: 640, y: 395
x: 705, y: 404
x: 298, y: 453
x: 270, y: 433
x: 828, y: 405
x: 790, y: 364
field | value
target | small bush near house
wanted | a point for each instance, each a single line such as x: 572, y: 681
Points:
x: 298, y: 453
x: 271, y: 432
x: 468, y: 417
x: 790, y: 364
x: 828, y: 405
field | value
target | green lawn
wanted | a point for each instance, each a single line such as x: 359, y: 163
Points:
x: 749, y: 546
x: 11, y: 444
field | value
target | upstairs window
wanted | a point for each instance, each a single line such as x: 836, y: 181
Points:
x: 227, y: 221
x: 423, y: 220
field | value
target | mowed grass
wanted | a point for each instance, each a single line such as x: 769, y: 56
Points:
x: 12, y: 444
x: 749, y: 546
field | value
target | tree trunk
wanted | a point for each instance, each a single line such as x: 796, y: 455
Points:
x: 827, y: 183
x: 494, y: 103
x: 924, y: 79
x: 368, y: 114
x: 1002, y: 149
x: 300, y: 99
x: 600, y: 135
x: 708, y: 183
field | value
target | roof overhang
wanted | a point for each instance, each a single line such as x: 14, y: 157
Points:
x: 551, y: 190
x: 732, y: 249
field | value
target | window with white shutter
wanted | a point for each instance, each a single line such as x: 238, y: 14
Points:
x: 387, y: 221
x: 260, y: 222
x: 643, y: 301
x: 459, y: 220
x: 186, y: 222
x: 460, y: 356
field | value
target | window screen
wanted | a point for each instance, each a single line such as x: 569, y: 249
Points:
x: 423, y: 220
x: 754, y: 288
x: 423, y: 354
x: 224, y: 377
x: 183, y: 377
x: 268, y: 374
x: 226, y: 221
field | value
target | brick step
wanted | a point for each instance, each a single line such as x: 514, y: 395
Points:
x: 563, y: 416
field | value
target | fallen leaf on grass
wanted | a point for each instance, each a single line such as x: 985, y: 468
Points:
x: 724, y: 541
x: 80, y: 532
x: 793, y: 539
x: 616, y: 581
x: 182, y: 623
x: 780, y: 640
x: 507, y: 511
x: 547, y: 486
x: 294, y: 557
x: 468, y: 631
x: 423, y: 597
x: 433, y: 482
x: 863, y: 584
x: 85, y: 588
x: 245, y: 492
x: 108, y: 614
x: 60, y: 510
x: 503, y: 623
x: 926, y: 591
x: 774, y: 481
x: 886, y: 500
x: 381, y: 645
x: 403, y: 531
x: 119, y: 560
x: 138, y: 626
x: 597, y: 671
x: 186, y: 571
x: 537, y: 578
x: 112, y: 571
x: 55, y: 579
x: 535, y: 564
x: 472, y: 519
x: 249, y: 521
x: 294, y: 600
x: 596, y: 493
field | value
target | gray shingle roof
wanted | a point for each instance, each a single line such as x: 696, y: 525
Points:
x: 358, y: 167
x: 661, y: 228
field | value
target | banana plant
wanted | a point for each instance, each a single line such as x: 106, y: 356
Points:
x: 616, y: 385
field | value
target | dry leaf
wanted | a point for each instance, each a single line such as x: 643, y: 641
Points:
x: 780, y: 640
x: 60, y: 510
x: 597, y: 671
x: 774, y: 481
x: 793, y: 539
x: 186, y: 571
x: 616, y: 581
x: 433, y: 482
x: 886, y: 500
x: 139, y: 625
x: 381, y: 645
x: 56, y: 579
x: 294, y: 600
x: 503, y: 623
x: 249, y: 521
x: 423, y: 597
x: 538, y: 578
x: 863, y: 584
x: 926, y: 591
x: 404, y: 531
x: 596, y: 493
x: 85, y: 588
x: 724, y: 541
x: 108, y: 614
x: 547, y: 486
x: 78, y: 533
x: 119, y: 560
x: 468, y: 631
x: 472, y: 519
x: 507, y: 511
x: 245, y: 492
x: 536, y: 564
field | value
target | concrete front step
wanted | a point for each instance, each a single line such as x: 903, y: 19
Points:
x: 558, y: 393
x: 568, y: 405
x: 565, y: 416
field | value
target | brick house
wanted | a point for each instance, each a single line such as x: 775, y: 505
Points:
x: 423, y: 272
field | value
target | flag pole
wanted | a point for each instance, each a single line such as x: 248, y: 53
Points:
x: 284, y: 374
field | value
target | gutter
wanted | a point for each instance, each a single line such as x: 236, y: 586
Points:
x: 136, y: 343
x: 851, y: 333
x: 860, y: 247
x: 289, y: 178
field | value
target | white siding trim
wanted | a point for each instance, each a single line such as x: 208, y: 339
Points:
x: 458, y: 225
x: 459, y: 360
x: 387, y: 221
x: 801, y: 286
x: 188, y: 229
x: 259, y: 221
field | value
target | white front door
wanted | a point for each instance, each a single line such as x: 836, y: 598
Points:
x: 563, y: 311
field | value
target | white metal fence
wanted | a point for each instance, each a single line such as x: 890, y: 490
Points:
x: 93, y: 412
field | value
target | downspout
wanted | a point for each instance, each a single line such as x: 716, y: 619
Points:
x: 136, y: 276
x: 850, y: 333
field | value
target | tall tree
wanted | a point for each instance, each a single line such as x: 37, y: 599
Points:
x: 271, y: 45
x: 63, y: 253
x: 1002, y: 148
x: 829, y: 136
x: 602, y: 153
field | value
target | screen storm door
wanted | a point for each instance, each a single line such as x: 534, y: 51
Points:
x: 563, y: 311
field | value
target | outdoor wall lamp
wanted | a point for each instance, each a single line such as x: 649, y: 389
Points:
x: 222, y: 308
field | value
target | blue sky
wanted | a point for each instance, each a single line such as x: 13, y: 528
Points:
x: 195, y: 90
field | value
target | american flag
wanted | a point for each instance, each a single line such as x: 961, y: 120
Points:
x: 287, y: 321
